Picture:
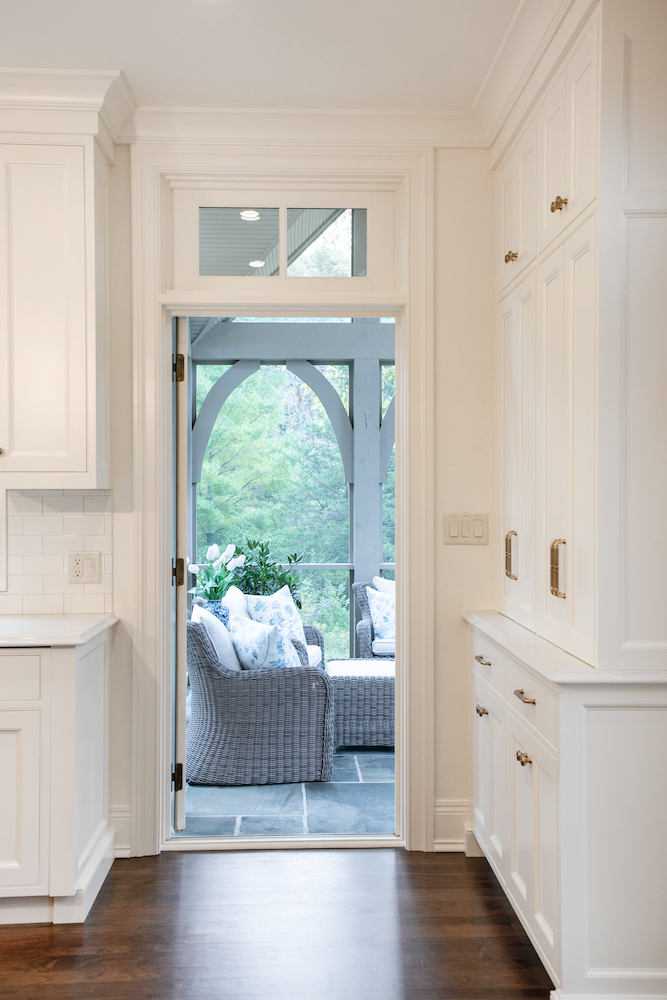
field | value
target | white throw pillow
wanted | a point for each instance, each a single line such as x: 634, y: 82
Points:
x: 235, y: 602
x: 260, y: 647
x: 314, y: 656
x: 278, y: 609
x: 383, y: 613
x: 219, y: 636
x: 385, y: 586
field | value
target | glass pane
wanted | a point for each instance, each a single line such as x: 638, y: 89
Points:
x: 389, y: 513
x: 238, y: 241
x: 325, y: 599
x: 292, y: 319
x: 326, y: 242
x: 273, y: 470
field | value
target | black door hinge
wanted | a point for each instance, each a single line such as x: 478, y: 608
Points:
x: 177, y: 777
x: 178, y: 368
x: 178, y: 572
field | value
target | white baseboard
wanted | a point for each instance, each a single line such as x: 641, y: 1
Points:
x: 120, y: 821
x: 74, y: 909
x: 450, y: 818
x: 560, y: 995
x: 26, y: 910
x: 473, y: 850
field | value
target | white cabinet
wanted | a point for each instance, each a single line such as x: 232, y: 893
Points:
x: 53, y: 309
x: 56, y: 845
x: 516, y: 198
x: 517, y: 346
x: 567, y: 126
x: 566, y: 444
x: 489, y: 796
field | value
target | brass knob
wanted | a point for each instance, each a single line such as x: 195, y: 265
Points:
x: 481, y: 711
x: 2, y: 451
x: 510, y: 256
x: 523, y: 758
x: 557, y: 205
x: 485, y: 663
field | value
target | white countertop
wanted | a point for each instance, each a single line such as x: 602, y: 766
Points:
x: 52, y: 630
x: 547, y: 660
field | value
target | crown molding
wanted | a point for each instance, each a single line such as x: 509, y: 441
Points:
x: 105, y: 92
x: 320, y: 127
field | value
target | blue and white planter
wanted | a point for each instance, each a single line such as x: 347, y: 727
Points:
x: 217, y: 608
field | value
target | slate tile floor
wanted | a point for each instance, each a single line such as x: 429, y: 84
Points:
x: 359, y: 799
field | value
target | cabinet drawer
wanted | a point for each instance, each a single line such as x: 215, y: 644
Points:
x: 489, y: 663
x: 543, y: 715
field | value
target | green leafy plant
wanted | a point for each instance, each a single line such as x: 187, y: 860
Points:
x: 262, y: 575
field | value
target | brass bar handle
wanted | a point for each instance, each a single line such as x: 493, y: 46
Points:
x: 510, y: 255
x: 523, y: 758
x: 558, y: 204
x: 485, y: 663
x: 481, y: 711
x: 508, y: 555
x: 555, y: 568
x: 521, y: 696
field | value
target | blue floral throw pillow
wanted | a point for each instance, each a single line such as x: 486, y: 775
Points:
x: 383, y: 613
x: 261, y: 647
x: 280, y: 610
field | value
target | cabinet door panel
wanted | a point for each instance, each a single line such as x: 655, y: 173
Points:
x: 20, y: 794
x: 43, y: 374
x: 517, y: 183
x: 552, y: 162
x: 582, y: 123
x: 489, y: 784
x: 518, y: 430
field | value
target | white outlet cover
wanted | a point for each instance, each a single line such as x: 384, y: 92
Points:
x: 84, y: 567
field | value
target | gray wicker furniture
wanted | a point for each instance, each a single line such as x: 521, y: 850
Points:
x: 365, y: 631
x: 365, y: 705
x: 257, y: 727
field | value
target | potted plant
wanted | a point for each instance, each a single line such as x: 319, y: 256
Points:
x: 215, y: 576
x: 260, y: 574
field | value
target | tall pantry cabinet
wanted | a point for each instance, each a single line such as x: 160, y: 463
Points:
x: 569, y: 674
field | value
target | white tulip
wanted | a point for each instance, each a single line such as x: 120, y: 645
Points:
x: 193, y: 568
x: 235, y: 563
x: 212, y: 553
x: 228, y: 553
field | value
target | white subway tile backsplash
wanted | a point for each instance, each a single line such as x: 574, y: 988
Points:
x: 83, y: 604
x: 41, y: 565
x: 43, y: 526
x: 25, y: 545
x: 49, y: 524
x: 63, y: 505
x: 43, y: 604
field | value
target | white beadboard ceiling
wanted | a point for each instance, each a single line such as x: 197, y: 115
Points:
x: 379, y: 55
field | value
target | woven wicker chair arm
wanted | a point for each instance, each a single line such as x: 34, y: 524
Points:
x: 364, y: 637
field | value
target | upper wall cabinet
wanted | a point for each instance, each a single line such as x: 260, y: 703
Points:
x: 53, y: 208
x: 568, y: 140
x: 516, y: 201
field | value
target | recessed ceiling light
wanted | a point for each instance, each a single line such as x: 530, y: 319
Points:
x: 257, y: 263
x: 249, y: 214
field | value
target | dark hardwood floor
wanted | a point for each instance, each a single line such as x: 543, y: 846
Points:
x: 283, y: 925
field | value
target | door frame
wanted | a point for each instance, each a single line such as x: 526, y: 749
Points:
x: 157, y: 170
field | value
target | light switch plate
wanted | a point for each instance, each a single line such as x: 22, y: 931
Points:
x: 84, y: 567
x: 465, y: 528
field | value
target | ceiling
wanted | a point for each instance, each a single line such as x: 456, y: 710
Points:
x: 403, y: 55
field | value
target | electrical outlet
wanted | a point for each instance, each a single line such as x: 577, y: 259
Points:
x: 84, y: 567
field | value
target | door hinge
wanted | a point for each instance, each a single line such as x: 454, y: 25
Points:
x: 178, y: 572
x: 178, y: 368
x: 177, y: 777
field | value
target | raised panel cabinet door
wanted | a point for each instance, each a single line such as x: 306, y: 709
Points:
x: 517, y: 182
x: 517, y: 315
x: 20, y: 795
x: 522, y: 801
x: 582, y: 102
x: 43, y: 349
x: 566, y: 445
x: 490, y: 795
x: 551, y: 162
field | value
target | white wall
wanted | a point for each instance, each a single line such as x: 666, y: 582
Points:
x: 464, y: 457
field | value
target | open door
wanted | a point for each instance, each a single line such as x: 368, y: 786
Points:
x: 181, y: 465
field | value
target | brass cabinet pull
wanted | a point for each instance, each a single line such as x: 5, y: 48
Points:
x: 485, y: 663
x: 523, y: 758
x: 510, y: 255
x: 557, y: 205
x: 2, y: 451
x: 508, y: 555
x: 481, y: 711
x: 555, y: 568
x: 521, y: 696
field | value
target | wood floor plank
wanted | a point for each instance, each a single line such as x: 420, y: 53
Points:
x: 284, y: 925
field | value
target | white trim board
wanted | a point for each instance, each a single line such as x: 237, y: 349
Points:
x: 3, y: 540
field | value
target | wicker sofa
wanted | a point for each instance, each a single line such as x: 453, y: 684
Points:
x: 257, y: 727
x: 368, y: 644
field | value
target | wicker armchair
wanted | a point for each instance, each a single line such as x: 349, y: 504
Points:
x: 365, y: 632
x: 257, y: 727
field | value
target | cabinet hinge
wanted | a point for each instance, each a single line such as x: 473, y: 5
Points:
x: 177, y: 777
x: 178, y: 572
x: 178, y: 367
